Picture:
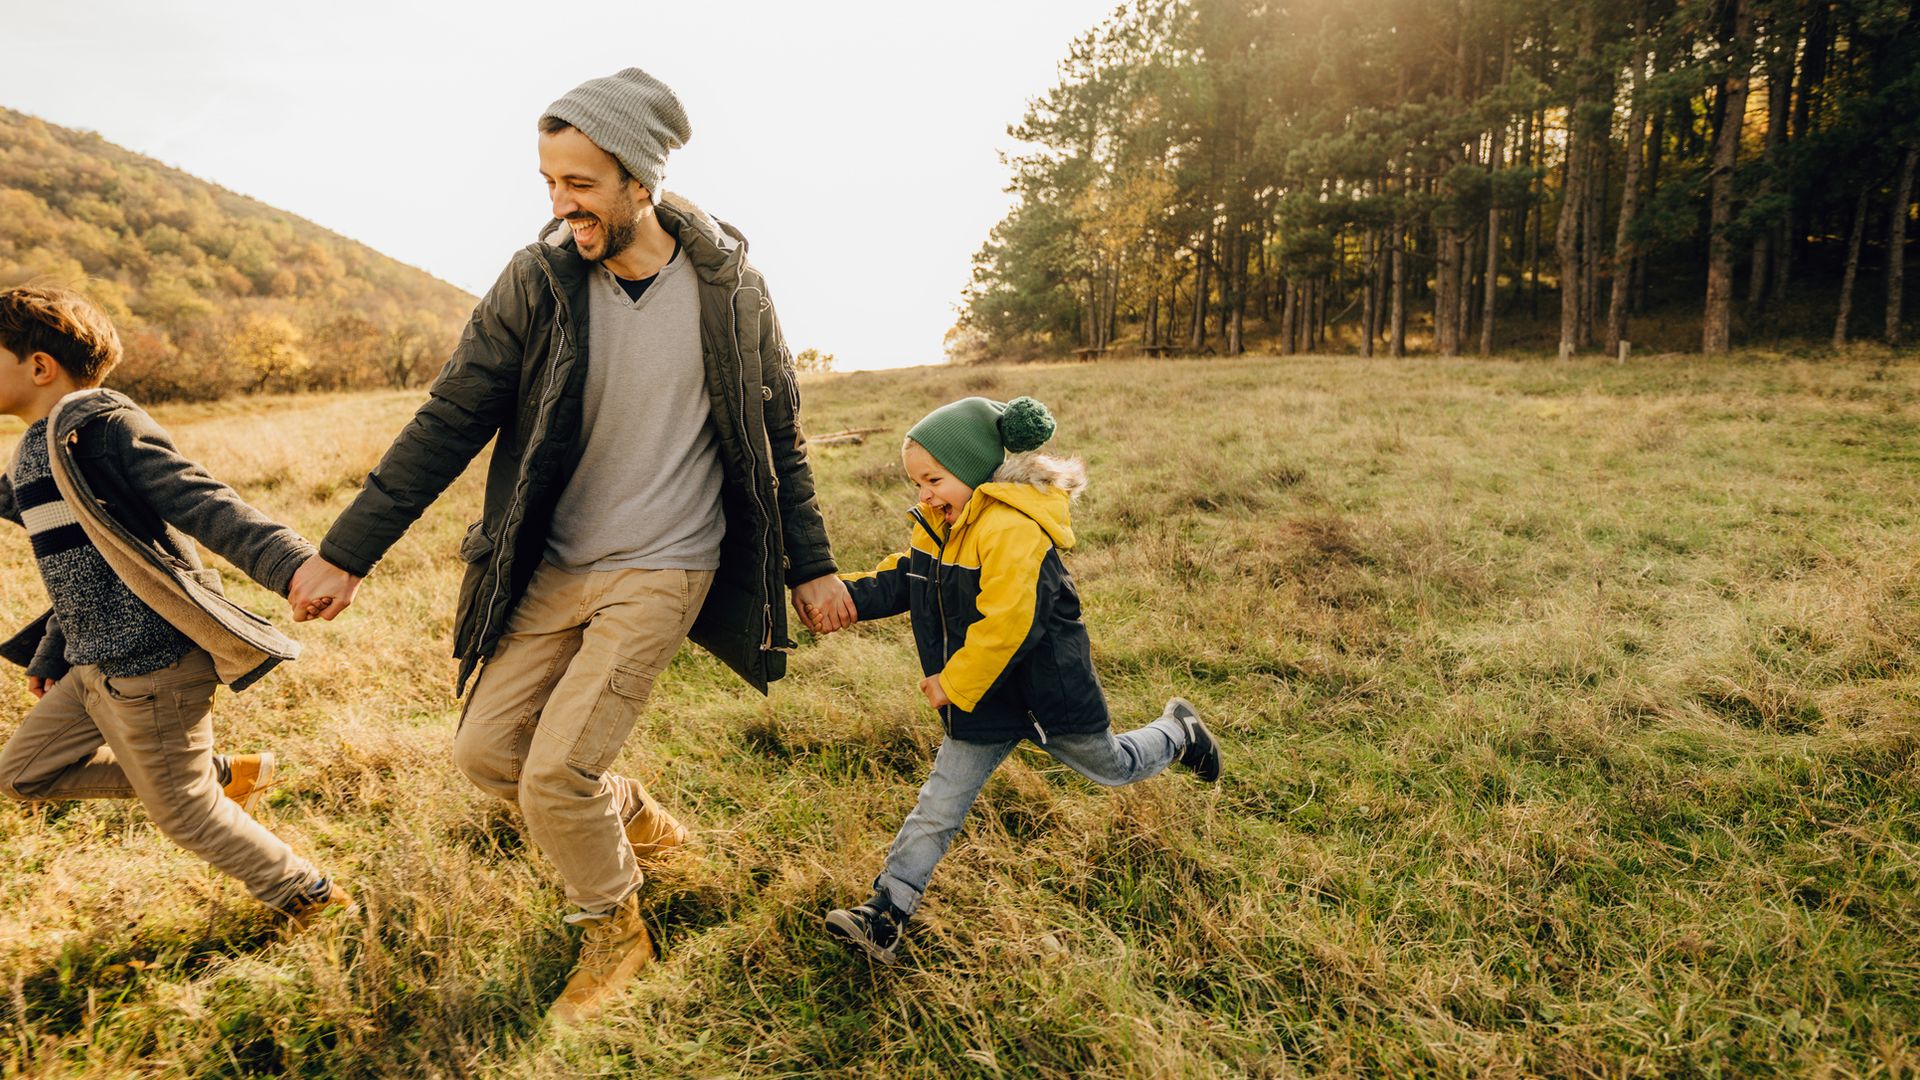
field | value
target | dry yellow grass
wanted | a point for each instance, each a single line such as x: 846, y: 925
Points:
x: 1570, y: 719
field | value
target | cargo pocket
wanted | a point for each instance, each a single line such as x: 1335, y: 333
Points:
x: 621, y: 698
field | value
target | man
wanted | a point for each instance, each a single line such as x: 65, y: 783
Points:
x: 649, y: 483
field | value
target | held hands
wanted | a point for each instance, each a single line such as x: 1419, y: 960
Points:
x: 320, y: 590
x: 936, y: 697
x: 824, y: 604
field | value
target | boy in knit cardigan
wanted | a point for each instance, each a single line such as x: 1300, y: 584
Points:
x: 125, y: 664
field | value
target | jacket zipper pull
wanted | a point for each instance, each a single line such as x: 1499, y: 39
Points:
x: 1042, y: 732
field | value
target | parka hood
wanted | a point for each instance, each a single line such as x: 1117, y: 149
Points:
x: 711, y: 245
x: 1038, y: 485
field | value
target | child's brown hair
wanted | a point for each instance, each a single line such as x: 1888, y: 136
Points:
x: 62, y: 324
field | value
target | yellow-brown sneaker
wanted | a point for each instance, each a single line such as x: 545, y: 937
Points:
x: 247, y: 775
x: 322, y: 899
x: 614, y: 949
x: 651, y: 830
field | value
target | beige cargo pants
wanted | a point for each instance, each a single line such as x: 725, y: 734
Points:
x: 555, y: 704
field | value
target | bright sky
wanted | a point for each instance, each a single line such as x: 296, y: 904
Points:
x: 855, y: 143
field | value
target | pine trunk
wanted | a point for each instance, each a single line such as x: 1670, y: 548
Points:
x: 1493, y: 248
x: 1897, y: 243
x: 1289, y: 311
x: 1397, y: 327
x: 1599, y: 164
x: 1539, y: 216
x: 1779, y: 98
x: 1320, y: 291
x: 1716, y: 325
x: 1197, y: 328
x: 1629, y: 197
x: 1656, y: 147
x: 1566, y: 242
x: 1813, y: 72
x: 1854, y: 239
x: 1369, y: 310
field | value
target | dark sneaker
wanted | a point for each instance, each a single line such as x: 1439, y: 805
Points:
x: 1202, y: 754
x: 873, y: 927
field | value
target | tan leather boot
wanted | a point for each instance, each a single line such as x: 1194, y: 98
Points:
x: 252, y: 773
x: 651, y: 830
x: 613, y: 950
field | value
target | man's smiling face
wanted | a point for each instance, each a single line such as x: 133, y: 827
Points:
x: 591, y: 193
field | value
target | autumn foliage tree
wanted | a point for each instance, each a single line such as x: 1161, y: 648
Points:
x: 213, y: 293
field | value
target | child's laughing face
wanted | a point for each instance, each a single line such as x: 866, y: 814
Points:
x: 933, y: 483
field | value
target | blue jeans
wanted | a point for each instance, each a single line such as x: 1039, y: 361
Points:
x: 961, y: 769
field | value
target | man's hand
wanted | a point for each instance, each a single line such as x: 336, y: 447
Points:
x: 38, y: 685
x: 320, y: 590
x: 824, y: 604
x: 936, y: 697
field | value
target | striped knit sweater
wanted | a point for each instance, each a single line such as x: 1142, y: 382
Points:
x: 105, y: 624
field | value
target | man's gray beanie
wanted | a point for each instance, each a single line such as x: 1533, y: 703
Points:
x: 632, y: 116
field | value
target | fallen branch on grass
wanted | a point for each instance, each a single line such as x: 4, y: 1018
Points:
x: 856, y: 436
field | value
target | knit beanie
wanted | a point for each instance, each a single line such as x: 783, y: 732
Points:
x: 632, y: 116
x: 968, y: 437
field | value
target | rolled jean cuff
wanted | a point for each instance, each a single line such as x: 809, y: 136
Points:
x: 904, y: 897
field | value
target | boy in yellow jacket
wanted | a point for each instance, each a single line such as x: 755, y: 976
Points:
x: 997, y: 624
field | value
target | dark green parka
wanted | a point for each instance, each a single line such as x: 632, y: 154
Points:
x: 518, y: 374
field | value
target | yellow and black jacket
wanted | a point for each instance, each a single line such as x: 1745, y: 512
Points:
x: 995, y: 613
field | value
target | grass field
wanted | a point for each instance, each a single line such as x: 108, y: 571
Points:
x: 1570, y: 715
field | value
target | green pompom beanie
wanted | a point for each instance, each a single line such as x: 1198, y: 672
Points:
x: 969, y: 436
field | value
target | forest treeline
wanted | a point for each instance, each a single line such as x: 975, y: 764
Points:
x: 1438, y: 174
x: 213, y: 292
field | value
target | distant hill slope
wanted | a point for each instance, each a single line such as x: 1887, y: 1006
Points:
x: 213, y: 292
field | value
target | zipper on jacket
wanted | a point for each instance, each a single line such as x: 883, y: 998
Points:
x: 553, y: 366
x: 753, y: 460
x: 1037, y: 728
x: 940, y: 606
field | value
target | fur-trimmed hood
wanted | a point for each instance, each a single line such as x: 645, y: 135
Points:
x: 1040, y: 486
x: 1043, y: 471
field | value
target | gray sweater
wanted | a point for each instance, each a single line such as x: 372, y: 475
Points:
x: 646, y: 493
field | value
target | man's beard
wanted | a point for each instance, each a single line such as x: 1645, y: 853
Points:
x: 619, y: 238
x: 616, y: 238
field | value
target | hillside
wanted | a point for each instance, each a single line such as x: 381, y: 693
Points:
x: 1569, y: 714
x: 213, y: 292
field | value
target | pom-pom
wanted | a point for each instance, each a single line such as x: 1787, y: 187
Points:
x: 1026, y: 425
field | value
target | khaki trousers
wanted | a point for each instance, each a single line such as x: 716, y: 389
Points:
x: 149, y: 737
x: 555, y: 704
